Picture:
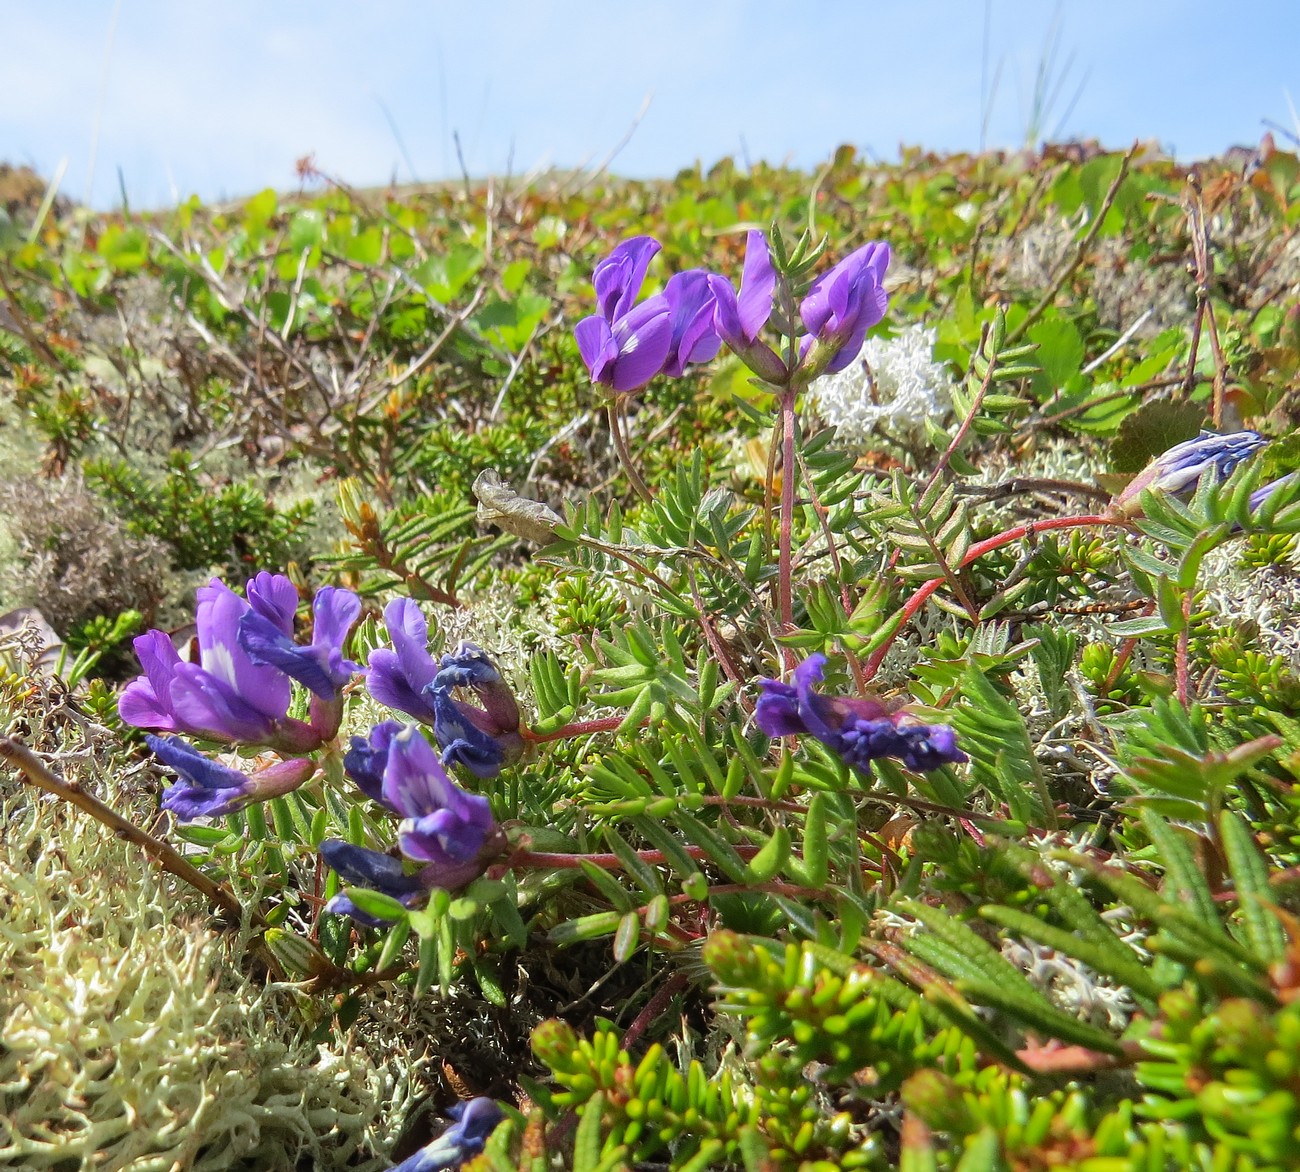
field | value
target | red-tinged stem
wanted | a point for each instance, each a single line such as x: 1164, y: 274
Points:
x: 785, y: 592
x: 654, y: 1008
x: 977, y: 551
x: 611, y: 862
x: 579, y: 728
x: 1181, y: 681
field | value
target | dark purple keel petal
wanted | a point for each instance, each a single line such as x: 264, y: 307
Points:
x: 777, y: 712
x: 265, y: 645
x: 367, y: 759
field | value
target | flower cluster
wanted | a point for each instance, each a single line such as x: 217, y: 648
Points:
x: 485, y: 737
x: 856, y: 729
x: 239, y: 691
x: 626, y: 342
x: 449, y: 831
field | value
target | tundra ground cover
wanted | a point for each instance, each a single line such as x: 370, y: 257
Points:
x: 878, y: 751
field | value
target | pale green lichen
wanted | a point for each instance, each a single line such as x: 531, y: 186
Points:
x: 130, y: 1036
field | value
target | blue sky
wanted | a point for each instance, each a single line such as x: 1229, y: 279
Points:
x: 221, y: 99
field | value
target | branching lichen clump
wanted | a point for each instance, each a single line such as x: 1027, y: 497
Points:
x: 131, y: 1038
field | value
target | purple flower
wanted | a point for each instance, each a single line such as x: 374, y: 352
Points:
x: 1179, y: 470
x: 842, y: 305
x: 398, y: 678
x: 206, y: 788
x: 474, y: 1122
x: 358, y: 866
x: 740, y: 318
x: 624, y: 345
x: 442, y: 824
x: 856, y: 729
x: 482, y: 739
x: 1265, y: 491
x: 450, y: 831
x: 226, y: 696
x: 694, y: 335
x: 320, y: 665
x: 367, y: 759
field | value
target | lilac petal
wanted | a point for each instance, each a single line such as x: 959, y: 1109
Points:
x: 1265, y: 491
x: 694, y: 336
x: 218, y: 615
x: 414, y: 781
x: 146, y: 701
x: 757, y: 286
x: 596, y: 345
x: 643, y: 337
x: 440, y: 837
x: 206, y: 706
x: 397, y: 678
x: 264, y: 644
x: 617, y: 278
x: 726, y: 312
x: 274, y: 597
x: 333, y: 613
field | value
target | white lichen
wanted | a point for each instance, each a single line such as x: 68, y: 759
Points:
x: 891, y: 389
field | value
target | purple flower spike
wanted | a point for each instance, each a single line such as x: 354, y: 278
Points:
x: 358, y: 866
x: 857, y: 730
x: 474, y: 1122
x: 398, y: 678
x: 694, y: 336
x: 206, y: 788
x: 319, y: 666
x: 842, y: 305
x: 1178, y: 470
x: 482, y: 739
x: 624, y: 345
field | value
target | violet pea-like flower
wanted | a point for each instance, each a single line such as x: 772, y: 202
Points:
x: 856, y: 729
x: 399, y: 677
x: 474, y: 1122
x: 1178, y: 470
x: 448, y: 830
x: 442, y: 824
x: 842, y: 305
x: 625, y: 344
x: 694, y: 335
x: 226, y: 696
x: 483, y: 739
x: 206, y: 788
x: 740, y: 317
x: 359, y: 866
x: 319, y: 666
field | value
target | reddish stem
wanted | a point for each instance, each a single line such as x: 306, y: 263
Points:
x: 977, y: 551
x: 579, y: 728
